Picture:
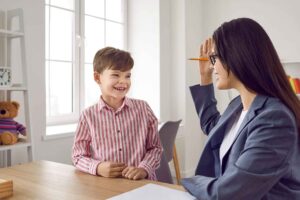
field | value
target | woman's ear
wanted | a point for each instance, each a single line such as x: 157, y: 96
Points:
x: 97, y: 77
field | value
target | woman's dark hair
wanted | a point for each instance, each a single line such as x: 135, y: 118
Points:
x: 246, y: 50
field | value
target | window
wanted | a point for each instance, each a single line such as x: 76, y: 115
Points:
x: 75, y: 30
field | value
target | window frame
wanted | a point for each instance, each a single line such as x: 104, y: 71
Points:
x: 78, y: 63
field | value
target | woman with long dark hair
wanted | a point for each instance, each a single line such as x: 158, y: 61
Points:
x: 252, y: 151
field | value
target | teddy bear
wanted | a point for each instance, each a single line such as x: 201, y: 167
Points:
x: 9, y: 128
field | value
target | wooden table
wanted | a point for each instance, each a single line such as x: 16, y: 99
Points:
x: 49, y: 180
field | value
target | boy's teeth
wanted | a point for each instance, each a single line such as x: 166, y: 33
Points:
x: 120, y: 88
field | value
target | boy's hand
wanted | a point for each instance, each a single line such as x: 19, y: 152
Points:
x: 110, y: 169
x: 134, y: 173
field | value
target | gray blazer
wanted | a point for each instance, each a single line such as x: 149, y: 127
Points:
x: 263, y: 161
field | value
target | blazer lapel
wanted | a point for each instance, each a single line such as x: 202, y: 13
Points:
x: 210, y: 154
x: 257, y: 103
x: 217, y: 133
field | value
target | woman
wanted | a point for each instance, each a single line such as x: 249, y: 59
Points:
x: 252, y: 150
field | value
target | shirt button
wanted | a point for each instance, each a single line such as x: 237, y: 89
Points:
x: 120, y: 149
x: 118, y: 131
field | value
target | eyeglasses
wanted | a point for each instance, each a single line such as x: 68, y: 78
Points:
x: 212, y: 58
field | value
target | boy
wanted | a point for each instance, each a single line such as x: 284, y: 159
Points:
x: 118, y: 136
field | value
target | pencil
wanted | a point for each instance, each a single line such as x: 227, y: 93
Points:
x: 201, y: 59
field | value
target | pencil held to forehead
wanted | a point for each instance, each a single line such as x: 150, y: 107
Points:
x: 200, y: 59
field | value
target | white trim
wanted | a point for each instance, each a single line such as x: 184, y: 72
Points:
x: 64, y: 130
x: 58, y: 136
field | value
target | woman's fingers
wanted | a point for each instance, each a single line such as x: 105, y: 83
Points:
x: 209, y: 46
x: 201, y: 50
x: 204, y: 66
x: 206, y: 48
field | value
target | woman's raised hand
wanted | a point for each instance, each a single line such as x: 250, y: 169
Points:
x: 205, y: 67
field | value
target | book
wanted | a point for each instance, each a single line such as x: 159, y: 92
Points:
x: 6, y: 188
x: 292, y: 83
x: 297, y: 85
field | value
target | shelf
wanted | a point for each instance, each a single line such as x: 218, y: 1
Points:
x: 12, y: 50
x: 290, y: 61
x: 7, y: 33
x: 14, y: 88
x: 21, y: 143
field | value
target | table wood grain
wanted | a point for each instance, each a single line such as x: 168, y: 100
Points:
x: 48, y: 180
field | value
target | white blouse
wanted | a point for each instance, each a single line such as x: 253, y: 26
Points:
x: 231, y: 135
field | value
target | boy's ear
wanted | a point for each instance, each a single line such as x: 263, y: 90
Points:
x: 97, y: 77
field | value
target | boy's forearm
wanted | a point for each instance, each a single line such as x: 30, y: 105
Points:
x: 151, y: 161
x: 82, y: 158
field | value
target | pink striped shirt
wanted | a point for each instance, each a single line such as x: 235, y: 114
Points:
x: 128, y: 135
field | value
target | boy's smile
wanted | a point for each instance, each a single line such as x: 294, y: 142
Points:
x: 120, y: 88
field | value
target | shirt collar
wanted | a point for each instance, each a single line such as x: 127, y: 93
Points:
x: 127, y: 102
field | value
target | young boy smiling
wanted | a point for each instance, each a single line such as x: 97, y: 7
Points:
x: 118, y: 136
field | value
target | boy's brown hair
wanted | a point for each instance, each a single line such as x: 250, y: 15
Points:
x: 112, y: 58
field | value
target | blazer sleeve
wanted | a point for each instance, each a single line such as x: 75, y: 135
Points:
x: 206, y: 106
x: 264, y: 160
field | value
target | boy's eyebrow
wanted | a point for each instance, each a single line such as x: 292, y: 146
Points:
x: 117, y: 70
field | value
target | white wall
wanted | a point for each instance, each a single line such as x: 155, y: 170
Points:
x: 170, y: 34
x: 162, y: 35
x: 279, y: 18
x: 143, y: 43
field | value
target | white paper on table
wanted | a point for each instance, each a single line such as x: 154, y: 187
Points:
x: 154, y: 191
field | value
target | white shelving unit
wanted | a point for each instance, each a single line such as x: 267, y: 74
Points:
x: 12, y: 39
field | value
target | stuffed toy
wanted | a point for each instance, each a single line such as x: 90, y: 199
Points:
x: 9, y: 128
